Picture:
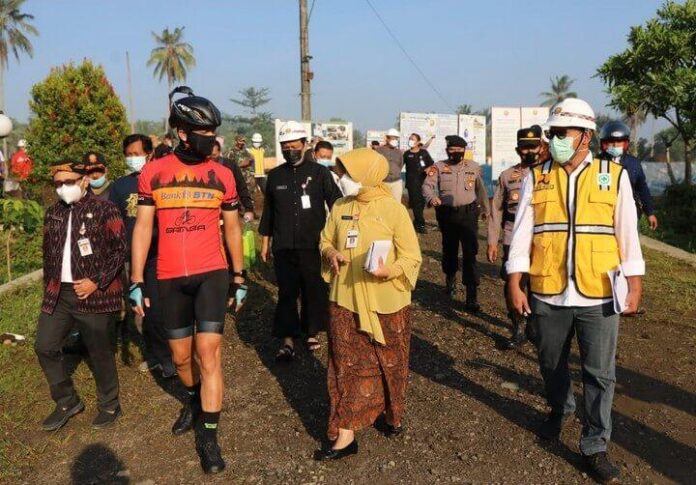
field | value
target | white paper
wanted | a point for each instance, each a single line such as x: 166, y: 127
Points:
x: 378, y: 250
x: 619, y: 289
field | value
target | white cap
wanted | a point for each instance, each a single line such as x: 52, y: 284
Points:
x: 22, y: 143
x: 572, y: 112
x: 256, y: 138
x: 291, y: 131
x: 393, y: 132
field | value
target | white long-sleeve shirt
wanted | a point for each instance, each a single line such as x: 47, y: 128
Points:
x: 625, y: 229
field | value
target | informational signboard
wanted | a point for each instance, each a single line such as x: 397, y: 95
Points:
x: 504, y: 125
x: 374, y: 135
x: 428, y: 125
x: 473, y: 129
x: 340, y: 135
x: 278, y: 123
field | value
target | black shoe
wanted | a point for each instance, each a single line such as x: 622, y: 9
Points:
x: 471, y: 304
x: 601, y: 468
x: 553, y: 425
x: 61, y: 415
x: 451, y: 285
x: 393, y: 431
x: 106, y: 418
x: 209, y: 453
x: 331, y: 454
x: 184, y: 422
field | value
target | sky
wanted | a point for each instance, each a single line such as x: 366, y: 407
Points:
x: 482, y: 53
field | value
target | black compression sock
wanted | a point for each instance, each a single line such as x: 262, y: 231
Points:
x: 208, y: 424
x: 194, y: 394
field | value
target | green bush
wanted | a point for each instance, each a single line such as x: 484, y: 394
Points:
x: 75, y: 110
x: 20, y: 225
x: 676, y: 213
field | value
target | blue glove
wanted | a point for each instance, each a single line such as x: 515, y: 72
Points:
x: 135, y: 295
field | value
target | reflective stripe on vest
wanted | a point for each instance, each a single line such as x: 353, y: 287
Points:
x: 591, y: 227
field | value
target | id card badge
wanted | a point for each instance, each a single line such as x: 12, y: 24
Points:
x: 306, y: 203
x: 85, y: 246
x: 352, y: 239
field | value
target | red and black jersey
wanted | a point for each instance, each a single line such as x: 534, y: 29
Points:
x: 188, y: 199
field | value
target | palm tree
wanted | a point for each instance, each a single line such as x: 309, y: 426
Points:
x: 14, y: 29
x: 559, y: 90
x: 172, y: 57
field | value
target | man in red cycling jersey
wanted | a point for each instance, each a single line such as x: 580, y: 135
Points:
x: 187, y: 192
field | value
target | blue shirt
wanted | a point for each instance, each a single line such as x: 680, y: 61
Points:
x: 641, y: 191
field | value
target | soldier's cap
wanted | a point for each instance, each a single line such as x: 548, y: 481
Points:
x: 71, y: 166
x: 529, y: 137
x: 455, y: 141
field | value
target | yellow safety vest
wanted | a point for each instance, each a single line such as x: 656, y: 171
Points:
x: 258, y: 154
x: 591, y: 226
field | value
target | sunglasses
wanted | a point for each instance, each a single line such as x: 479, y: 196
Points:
x: 558, y: 133
x: 69, y: 182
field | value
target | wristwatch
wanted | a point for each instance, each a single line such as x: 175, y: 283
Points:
x: 242, y: 273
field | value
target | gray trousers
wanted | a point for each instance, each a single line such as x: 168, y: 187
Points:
x: 597, y: 329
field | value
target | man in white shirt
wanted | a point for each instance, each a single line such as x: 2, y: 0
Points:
x: 576, y: 220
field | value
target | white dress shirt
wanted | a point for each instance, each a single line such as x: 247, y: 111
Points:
x: 625, y: 230
x: 66, y: 265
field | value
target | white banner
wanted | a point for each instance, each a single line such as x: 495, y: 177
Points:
x: 340, y: 135
x: 533, y: 116
x: 374, y: 135
x: 504, y: 125
x: 278, y: 123
x: 428, y: 125
x: 473, y: 129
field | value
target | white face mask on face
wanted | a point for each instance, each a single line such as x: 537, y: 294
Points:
x: 70, y: 193
x: 394, y: 143
x: 411, y: 143
x: 349, y: 187
x: 256, y: 144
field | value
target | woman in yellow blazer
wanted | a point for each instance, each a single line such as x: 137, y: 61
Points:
x: 370, y: 329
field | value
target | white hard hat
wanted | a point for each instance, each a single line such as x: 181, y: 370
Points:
x: 572, y: 112
x: 393, y: 132
x: 291, y: 131
x: 256, y: 138
x: 544, y: 131
x: 22, y: 143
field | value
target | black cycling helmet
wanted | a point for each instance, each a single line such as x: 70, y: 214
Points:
x: 614, y: 131
x: 192, y: 111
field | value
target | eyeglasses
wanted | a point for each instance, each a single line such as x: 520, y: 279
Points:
x: 559, y: 133
x: 69, y: 182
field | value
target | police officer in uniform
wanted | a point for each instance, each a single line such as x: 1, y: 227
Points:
x: 614, y: 139
x: 455, y: 188
x: 503, y: 210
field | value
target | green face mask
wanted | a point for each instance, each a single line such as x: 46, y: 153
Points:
x: 562, y: 149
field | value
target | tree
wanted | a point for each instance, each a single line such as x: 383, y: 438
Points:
x: 172, y: 57
x: 464, y: 109
x: 15, y: 27
x: 252, y: 99
x: 560, y: 90
x: 75, y: 109
x: 657, y: 72
x: 17, y: 216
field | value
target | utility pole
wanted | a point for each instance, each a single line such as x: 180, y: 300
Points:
x: 130, y: 94
x: 306, y: 75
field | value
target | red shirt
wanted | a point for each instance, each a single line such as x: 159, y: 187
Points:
x: 189, y: 199
x: 21, y: 164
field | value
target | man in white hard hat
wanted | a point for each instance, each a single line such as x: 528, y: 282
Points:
x: 576, y: 221
x: 294, y: 214
x: 258, y: 152
x: 395, y: 157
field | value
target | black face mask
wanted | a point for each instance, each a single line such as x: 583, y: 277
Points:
x: 201, y: 145
x: 529, y: 159
x: 455, y: 157
x: 292, y: 156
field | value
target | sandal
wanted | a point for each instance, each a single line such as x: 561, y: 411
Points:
x: 312, y: 344
x: 285, y: 354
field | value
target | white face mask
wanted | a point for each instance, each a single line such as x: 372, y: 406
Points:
x: 70, y: 193
x: 324, y: 161
x: 411, y: 143
x: 349, y: 187
x: 136, y: 164
x: 393, y: 143
x: 256, y: 144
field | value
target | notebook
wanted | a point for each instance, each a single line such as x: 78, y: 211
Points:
x: 619, y: 288
x: 378, y: 249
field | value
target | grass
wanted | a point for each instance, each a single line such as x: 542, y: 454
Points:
x: 26, y: 255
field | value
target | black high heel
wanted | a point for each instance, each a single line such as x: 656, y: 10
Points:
x: 331, y: 454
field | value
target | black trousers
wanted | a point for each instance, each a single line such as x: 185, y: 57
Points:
x: 298, y: 272
x: 459, y: 226
x: 154, y: 335
x: 94, y: 330
x: 416, y: 200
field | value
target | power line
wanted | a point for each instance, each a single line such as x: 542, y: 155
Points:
x: 311, y: 9
x: 396, y: 40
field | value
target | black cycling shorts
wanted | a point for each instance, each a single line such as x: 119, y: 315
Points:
x: 198, y: 301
